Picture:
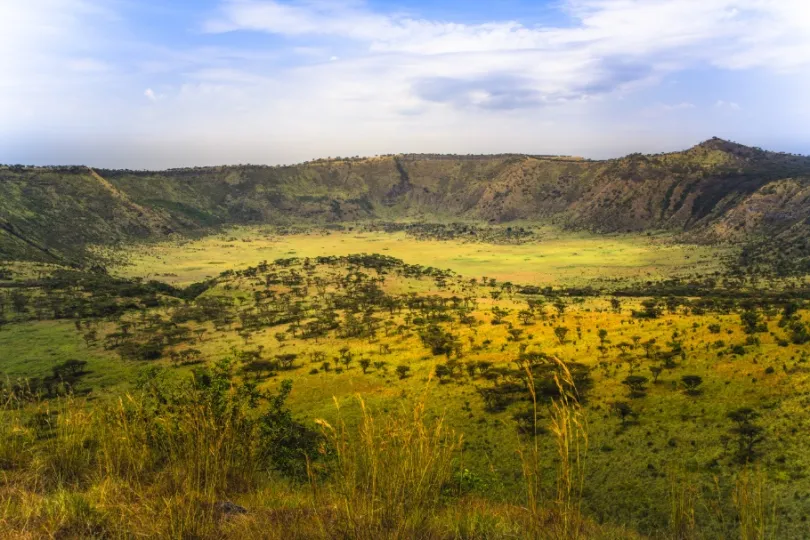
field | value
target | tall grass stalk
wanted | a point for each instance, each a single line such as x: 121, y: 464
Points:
x: 531, y: 466
x: 757, y: 516
x: 569, y: 429
x: 683, y: 498
x: 389, y: 475
x: 68, y: 455
x: 125, y: 453
x: 16, y: 439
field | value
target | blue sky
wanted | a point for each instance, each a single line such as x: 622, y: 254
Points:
x: 159, y: 83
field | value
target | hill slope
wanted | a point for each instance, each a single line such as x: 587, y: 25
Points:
x: 717, y: 190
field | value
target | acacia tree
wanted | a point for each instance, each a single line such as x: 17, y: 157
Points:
x: 286, y: 360
x: 346, y: 360
x: 535, y: 303
x: 439, y: 341
x: 691, y: 383
x: 649, y: 347
x: 380, y: 365
x: 259, y: 368
x: 526, y: 317
x: 514, y: 334
x: 561, y: 332
x: 748, y: 434
x: 498, y: 314
x: 637, y: 385
x: 651, y: 309
x: 623, y: 410
x: 90, y: 337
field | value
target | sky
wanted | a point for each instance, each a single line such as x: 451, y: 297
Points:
x: 147, y: 84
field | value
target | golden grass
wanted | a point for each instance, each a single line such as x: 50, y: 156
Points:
x: 390, y: 477
x: 756, y: 513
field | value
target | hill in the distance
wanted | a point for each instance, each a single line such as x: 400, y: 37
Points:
x: 715, y: 191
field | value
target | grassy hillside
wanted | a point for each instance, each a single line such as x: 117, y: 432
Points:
x: 51, y: 214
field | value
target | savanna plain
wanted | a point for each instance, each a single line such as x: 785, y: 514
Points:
x: 358, y: 382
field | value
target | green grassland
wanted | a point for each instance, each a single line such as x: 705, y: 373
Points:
x: 556, y: 257
x: 676, y: 445
x: 32, y: 349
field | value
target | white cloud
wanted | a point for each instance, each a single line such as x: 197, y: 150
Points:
x: 48, y: 60
x: 614, y: 45
x: 727, y: 105
x: 745, y: 33
x: 402, y: 83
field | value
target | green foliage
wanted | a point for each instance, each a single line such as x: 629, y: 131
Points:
x: 691, y: 383
x: 273, y: 440
x: 623, y: 410
x: 656, y: 372
x: 286, y: 445
x: 752, y: 322
x: 561, y: 332
x: 438, y: 340
x: 651, y: 309
x: 799, y: 334
x: 636, y: 385
x: 748, y: 434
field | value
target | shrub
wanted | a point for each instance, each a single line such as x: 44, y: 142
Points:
x: 636, y: 384
x: 691, y: 383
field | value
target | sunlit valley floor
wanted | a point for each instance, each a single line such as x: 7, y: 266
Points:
x: 573, y: 385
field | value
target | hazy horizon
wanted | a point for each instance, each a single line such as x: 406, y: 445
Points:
x: 360, y: 156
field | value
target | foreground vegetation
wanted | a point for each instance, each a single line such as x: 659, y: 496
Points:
x: 160, y: 464
x: 331, y: 394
